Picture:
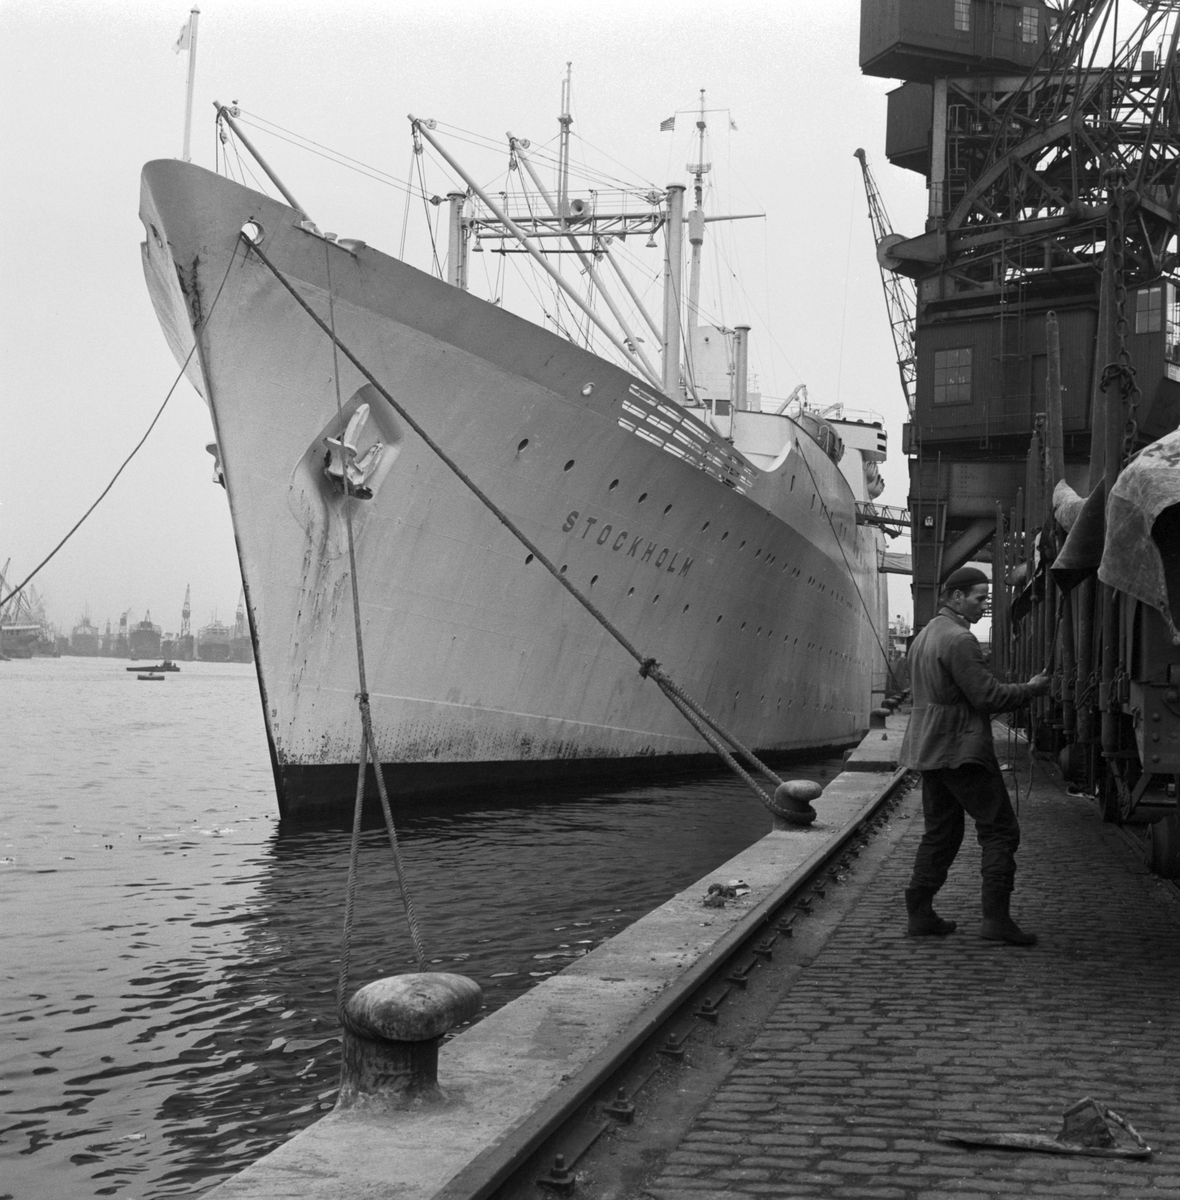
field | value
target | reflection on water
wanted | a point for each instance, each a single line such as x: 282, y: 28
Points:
x: 170, y: 956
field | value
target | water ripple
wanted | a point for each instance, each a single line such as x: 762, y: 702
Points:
x: 170, y: 955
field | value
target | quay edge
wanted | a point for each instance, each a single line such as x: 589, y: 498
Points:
x: 533, y: 1061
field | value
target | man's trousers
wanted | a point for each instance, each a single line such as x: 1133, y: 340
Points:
x: 948, y: 795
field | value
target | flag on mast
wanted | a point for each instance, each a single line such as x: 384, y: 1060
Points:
x: 185, y: 33
x: 670, y: 123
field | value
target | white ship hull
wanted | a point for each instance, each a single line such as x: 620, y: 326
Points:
x: 480, y: 666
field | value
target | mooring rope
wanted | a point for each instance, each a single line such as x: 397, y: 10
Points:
x: 649, y: 667
x: 368, y: 746
x: 159, y: 413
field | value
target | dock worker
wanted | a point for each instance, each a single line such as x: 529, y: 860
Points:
x: 949, y: 739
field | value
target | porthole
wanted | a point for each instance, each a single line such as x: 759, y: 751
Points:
x: 704, y: 526
x: 522, y: 445
x: 757, y: 553
x: 742, y: 546
x: 718, y: 618
x: 528, y: 559
x: 642, y: 498
x: 568, y: 465
x: 742, y: 627
x: 593, y: 580
x: 630, y: 591
x: 655, y: 598
x: 686, y: 608
x: 614, y: 483
x: 564, y: 567
x: 587, y: 388
x: 725, y: 535
x: 667, y: 510
x: 251, y: 231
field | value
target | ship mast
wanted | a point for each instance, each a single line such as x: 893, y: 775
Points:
x: 563, y: 153
x: 696, y: 222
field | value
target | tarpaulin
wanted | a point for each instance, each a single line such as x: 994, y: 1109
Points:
x: 1133, y: 559
x: 1082, y: 550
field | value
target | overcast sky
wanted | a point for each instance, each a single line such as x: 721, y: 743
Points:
x: 91, y: 91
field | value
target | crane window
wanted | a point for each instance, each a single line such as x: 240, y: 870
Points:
x: 952, y: 376
x: 963, y: 16
x: 1028, y: 24
x: 1149, y: 309
x: 1172, y: 332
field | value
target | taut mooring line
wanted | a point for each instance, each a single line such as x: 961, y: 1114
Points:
x: 369, y: 745
x: 649, y: 667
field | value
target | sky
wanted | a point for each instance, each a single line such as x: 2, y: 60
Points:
x: 91, y: 91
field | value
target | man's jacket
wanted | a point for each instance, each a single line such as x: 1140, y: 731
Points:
x: 954, y: 697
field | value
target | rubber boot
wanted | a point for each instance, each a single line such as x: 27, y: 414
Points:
x: 997, y: 924
x: 924, y: 921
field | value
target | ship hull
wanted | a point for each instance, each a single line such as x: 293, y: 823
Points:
x: 750, y: 587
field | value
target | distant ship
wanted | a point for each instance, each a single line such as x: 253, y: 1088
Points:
x: 240, y: 647
x: 726, y: 542
x: 213, y: 642
x: 144, y: 639
x: 85, y: 639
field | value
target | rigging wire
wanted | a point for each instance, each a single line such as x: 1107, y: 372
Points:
x: 135, y: 450
x: 844, y: 312
x: 848, y: 567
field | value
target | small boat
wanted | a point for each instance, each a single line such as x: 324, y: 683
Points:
x: 151, y: 678
x: 166, y: 665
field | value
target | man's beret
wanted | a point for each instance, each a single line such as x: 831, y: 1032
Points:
x: 964, y: 579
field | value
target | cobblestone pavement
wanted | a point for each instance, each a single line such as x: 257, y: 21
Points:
x: 884, y: 1040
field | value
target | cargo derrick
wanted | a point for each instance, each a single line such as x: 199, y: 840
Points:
x: 1047, y: 343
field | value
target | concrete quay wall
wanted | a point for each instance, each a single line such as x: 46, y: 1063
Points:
x: 499, y: 1074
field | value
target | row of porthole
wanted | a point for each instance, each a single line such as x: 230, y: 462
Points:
x: 614, y: 483
x: 656, y: 597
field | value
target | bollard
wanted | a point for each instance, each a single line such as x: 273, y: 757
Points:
x: 877, y: 718
x: 794, y: 798
x: 392, y: 1029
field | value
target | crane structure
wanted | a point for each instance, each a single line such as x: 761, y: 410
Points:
x: 900, y: 301
x: 1046, y: 350
x: 1052, y: 162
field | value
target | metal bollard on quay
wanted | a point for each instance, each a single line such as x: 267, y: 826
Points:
x: 392, y: 1031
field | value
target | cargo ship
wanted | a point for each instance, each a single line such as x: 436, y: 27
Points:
x: 84, y: 639
x: 731, y: 544
x: 213, y: 642
x: 144, y: 638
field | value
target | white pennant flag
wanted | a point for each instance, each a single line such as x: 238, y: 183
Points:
x: 182, y: 41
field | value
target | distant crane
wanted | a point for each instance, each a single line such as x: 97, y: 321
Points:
x: 186, y: 613
x: 900, y: 296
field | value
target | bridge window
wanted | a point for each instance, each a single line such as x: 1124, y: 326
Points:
x: 963, y: 16
x: 1149, y: 309
x: 1028, y: 24
x: 952, y: 376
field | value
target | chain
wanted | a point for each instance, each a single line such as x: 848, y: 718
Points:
x: 1120, y: 370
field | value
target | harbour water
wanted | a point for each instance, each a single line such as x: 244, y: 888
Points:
x: 169, y: 954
